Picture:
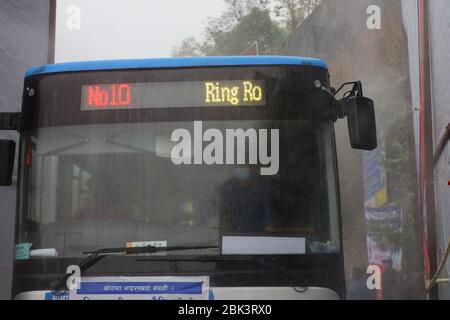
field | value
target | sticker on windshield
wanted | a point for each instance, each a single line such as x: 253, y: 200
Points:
x: 22, y: 251
x: 142, y: 288
x: 263, y: 245
x: 141, y: 244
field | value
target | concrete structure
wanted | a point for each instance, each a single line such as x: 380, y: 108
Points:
x: 338, y: 33
x: 24, y: 42
x: 387, y: 60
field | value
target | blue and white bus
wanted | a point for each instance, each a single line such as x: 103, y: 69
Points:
x: 187, y: 178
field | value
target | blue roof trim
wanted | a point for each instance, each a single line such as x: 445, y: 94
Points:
x: 174, y: 63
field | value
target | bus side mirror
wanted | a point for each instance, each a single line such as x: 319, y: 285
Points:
x: 7, y: 155
x: 361, y: 123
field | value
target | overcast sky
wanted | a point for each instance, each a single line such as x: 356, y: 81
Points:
x: 126, y: 29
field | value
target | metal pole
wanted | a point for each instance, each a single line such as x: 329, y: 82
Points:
x: 427, y: 201
x: 52, y: 32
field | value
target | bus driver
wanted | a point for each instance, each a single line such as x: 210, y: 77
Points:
x: 246, y: 204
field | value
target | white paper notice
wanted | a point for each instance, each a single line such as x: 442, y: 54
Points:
x: 263, y: 245
x: 142, y: 288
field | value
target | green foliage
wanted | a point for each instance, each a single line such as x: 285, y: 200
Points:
x: 189, y: 48
x: 237, y: 9
x: 393, y: 120
x: 256, y: 26
x: 245, y: 22
x: 293, y: 12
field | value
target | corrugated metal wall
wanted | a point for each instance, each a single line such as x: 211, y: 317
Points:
x: 24, y: 38
x: 440, y: 70
x: 439, y: 28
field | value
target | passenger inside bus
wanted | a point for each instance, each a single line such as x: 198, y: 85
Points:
x: 246, y: 205
x: 102, y: 201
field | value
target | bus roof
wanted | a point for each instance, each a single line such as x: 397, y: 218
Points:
x: 162, y: 63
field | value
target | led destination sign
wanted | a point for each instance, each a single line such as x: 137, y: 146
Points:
x: 173, y: 94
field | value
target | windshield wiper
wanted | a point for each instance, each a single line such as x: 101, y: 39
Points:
x: 97, y: 255
x: 147, y: 249
x: 260, y: 261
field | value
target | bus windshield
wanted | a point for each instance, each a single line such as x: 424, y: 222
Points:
x: 160, y: 183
